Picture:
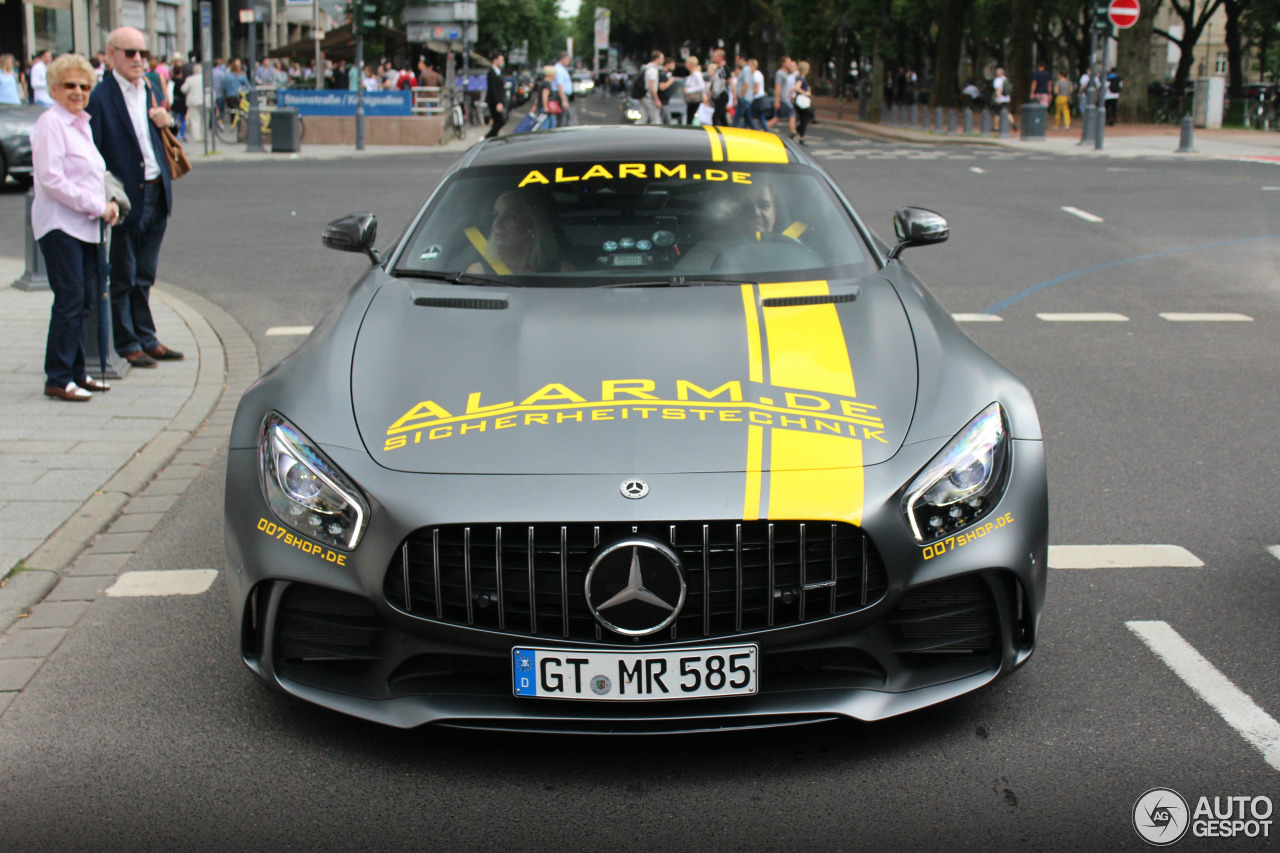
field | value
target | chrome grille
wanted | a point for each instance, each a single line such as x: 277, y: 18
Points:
x: 528, y: 578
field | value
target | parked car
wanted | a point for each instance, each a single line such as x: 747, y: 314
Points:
x: 16, y: 124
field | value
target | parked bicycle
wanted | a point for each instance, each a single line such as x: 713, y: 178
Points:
x: 455, y: 119
x: 233, y: 127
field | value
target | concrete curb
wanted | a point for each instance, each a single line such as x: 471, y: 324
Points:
x: 44, y: 566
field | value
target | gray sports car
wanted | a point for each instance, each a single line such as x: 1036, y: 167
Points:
x: 16, y: 124
x: 636, y: 430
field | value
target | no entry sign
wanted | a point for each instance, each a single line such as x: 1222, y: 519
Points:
x: 1123, y: 13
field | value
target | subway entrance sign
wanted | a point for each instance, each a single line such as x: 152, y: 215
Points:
x: 1123, y: 13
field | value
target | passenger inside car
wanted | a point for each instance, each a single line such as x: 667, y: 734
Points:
x: 521, y: 238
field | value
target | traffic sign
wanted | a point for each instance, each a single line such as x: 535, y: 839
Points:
x: 1123, y: 13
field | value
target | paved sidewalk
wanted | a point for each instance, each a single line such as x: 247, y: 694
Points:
x: 66, y: 469
x: 1119, y: 141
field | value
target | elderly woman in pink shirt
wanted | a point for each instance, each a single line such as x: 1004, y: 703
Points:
x: 70, y: 205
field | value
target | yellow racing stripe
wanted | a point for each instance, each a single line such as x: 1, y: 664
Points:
x: 716, y: 153
x: 755, y: 461
x: 810, y: 475
x: 755, y: 366
x: 753, y: 146
x: 806, y: 342
x: 799, y: 490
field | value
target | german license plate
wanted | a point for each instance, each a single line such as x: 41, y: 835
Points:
x: 644, y: 675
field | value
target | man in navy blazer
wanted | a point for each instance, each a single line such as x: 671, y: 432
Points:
x: 127, y: 115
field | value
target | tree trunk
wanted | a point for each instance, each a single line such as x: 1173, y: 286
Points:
x: 1192, y: 27
x: 1021, y: 32
x: 946, y: 65
x: 1235, y: 55
x: 879, y: 73
x: 1133, y: 57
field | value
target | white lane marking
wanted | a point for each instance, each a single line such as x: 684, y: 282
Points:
x: 978, y: 318
x: 275, y: 331
x: 977, y: 170
x: 1100, y: 317
x: 1275, y: 551
x: 1226, y: 317
x: 1231, y: 703
x: 173, y: 582
x: 1083, y: 214
x: 1271, y: 188
x: 1121, y: 557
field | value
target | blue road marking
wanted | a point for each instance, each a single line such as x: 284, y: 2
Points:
x: 1036, y: 288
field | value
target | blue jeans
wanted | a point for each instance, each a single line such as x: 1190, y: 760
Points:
x: 135, y: 253
x: 72, y: 267
x: 742, y: 114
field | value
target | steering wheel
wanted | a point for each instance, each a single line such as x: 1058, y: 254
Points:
x: 801, y: 254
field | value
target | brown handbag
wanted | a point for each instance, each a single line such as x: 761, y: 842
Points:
x: 179, y: 165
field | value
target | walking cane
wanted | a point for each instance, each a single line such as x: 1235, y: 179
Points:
x: 104, y: 299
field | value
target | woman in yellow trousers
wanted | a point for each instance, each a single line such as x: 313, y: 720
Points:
x: 1062, y: 101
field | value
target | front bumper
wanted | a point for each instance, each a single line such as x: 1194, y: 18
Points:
x: 892, y: 656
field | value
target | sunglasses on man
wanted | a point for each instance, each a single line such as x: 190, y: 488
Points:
x: 131, y: 52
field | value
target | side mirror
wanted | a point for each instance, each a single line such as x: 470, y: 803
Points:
x: 355, y: 232
x: 916, y: 226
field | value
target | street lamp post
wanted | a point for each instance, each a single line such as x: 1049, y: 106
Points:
x: 253, y: 139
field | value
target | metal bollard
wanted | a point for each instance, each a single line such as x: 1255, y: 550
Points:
x: 1099, y: 123
x: 951, y: 121
x: 915, y: 116
x: 862, y: 109
x: 939, y: 122
x: 968, y: 120
x: 1185, y: 143
x: 34, y: 277
x: 885, y: 109
x: 1004, y: 121
x: 986, y: 121
x: 1086, y: 125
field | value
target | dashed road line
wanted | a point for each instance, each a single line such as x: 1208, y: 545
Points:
x: 1207, y: 318
x: 171, y: 582
x: 1275, y: 551
x: 1232, y: 704
x: 1121, y: 557
x: 1098, y: 317
x: 977, y: 170
x: 977, y: 318
x: 1083, y: 214
x: 276, y: 331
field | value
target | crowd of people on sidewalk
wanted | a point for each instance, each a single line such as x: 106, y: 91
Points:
x: 103, y: 196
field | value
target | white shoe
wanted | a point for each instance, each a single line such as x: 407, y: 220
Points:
x: 72, y: 393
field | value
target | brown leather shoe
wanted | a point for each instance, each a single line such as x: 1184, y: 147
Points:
x: 91, y: 384
x: 73, y: 393
x: 160, y: 352
x: 140, y: 359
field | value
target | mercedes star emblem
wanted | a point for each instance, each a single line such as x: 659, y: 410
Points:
x: 634, y: 489
x: 636, y: 586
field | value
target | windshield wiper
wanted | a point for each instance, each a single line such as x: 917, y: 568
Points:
x: 454, y: 278
x: 679, y: 281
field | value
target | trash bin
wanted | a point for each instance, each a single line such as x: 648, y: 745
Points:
x: 1035, y: 121
x: 284, y: 129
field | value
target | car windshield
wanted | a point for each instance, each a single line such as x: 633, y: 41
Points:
x: 611, y: 223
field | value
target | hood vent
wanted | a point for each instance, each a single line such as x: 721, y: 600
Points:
x: 792, y: 301
x: 470, y: 304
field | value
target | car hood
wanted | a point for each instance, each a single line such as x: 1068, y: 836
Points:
x: 634, y: 380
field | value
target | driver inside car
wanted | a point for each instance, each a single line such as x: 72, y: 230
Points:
x: 736, y: 218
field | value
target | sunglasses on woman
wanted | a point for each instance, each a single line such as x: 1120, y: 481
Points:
x: 131, y: 52
x: 83, y: 87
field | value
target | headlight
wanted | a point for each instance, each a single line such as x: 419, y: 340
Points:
x: 963, y: 482
x: 634, y: 115
x: 305, y: 490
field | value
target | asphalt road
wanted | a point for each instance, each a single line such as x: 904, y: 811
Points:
x: 144, y: 732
